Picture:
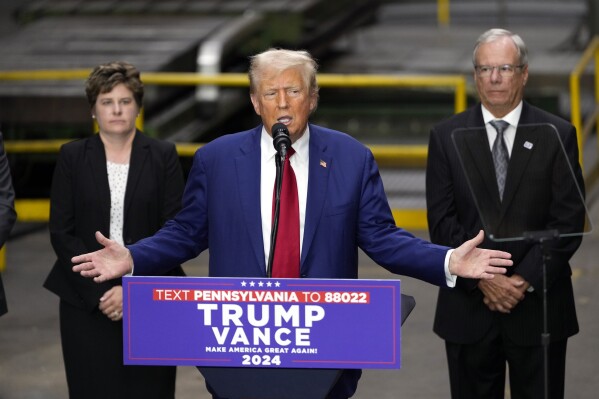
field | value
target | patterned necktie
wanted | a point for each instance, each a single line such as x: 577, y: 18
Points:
x: 286, y: 262
x: 500, y: 155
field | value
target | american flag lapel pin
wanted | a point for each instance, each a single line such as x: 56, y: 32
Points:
x: 323, y: 163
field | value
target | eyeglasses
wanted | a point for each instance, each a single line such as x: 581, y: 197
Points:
x: 507, y: 70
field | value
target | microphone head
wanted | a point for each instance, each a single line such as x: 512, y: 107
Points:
x: 280, y: 136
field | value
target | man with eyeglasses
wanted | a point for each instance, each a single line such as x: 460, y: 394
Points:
x: 487, y: 325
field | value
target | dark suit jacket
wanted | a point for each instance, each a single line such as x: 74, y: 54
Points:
x: 80, y: 206
x: 537, y: 196
x: 346, y: 208
x: 8, y: 216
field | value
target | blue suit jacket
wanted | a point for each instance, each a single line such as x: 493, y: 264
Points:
x: 346, y: 208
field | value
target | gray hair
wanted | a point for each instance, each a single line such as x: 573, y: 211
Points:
x: 493, y: 34
x: 280, y: 60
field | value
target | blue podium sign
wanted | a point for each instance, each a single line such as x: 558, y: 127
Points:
x: 255, y: 322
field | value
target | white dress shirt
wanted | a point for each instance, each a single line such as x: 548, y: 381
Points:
x: 299, y: 162
x: 509, y: 134
x: 117, y: 182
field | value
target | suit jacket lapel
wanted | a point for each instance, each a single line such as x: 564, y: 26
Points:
x: 139, y: 156
x: 482, y: 163
x: 478, y: 149
x: 248, y: 180
x: 96, y: 162
x: 524, y: 145
x: 318, y: 177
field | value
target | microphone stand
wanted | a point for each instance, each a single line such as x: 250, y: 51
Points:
x: 275, y: 221
x: 541, y: 237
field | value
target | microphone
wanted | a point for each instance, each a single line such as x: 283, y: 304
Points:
x: 281, y: 142
x: 280, y: 139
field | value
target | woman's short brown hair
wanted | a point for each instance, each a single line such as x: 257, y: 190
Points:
x: 105, y: 77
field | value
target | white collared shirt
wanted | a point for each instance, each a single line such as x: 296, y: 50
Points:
x: 299, y: 163
x: 509, y: 135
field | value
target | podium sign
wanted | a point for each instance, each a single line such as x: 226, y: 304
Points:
x: 256, y: 322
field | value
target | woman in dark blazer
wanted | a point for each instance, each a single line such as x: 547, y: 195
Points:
x: 123, y: 184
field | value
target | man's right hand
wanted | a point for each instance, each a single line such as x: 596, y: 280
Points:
x: 112, y: 261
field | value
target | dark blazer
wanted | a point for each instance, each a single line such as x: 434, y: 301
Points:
x: 537, y: 197
x: 80, y: 206
x: 8, y: 216
x: 346, y: 208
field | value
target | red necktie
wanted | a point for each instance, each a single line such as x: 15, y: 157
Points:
x: 286, y: 262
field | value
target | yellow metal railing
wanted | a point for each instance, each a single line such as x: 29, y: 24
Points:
x: 455, y: 82
x: 591, y: 53
x: 443, y: 13
x: 38, y: 210
x: 584, y: 129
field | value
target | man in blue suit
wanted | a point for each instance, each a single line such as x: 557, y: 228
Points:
x: 227, y: 203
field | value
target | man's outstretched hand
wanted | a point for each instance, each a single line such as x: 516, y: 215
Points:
x: 112, y: 261
x: 468, y: 261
